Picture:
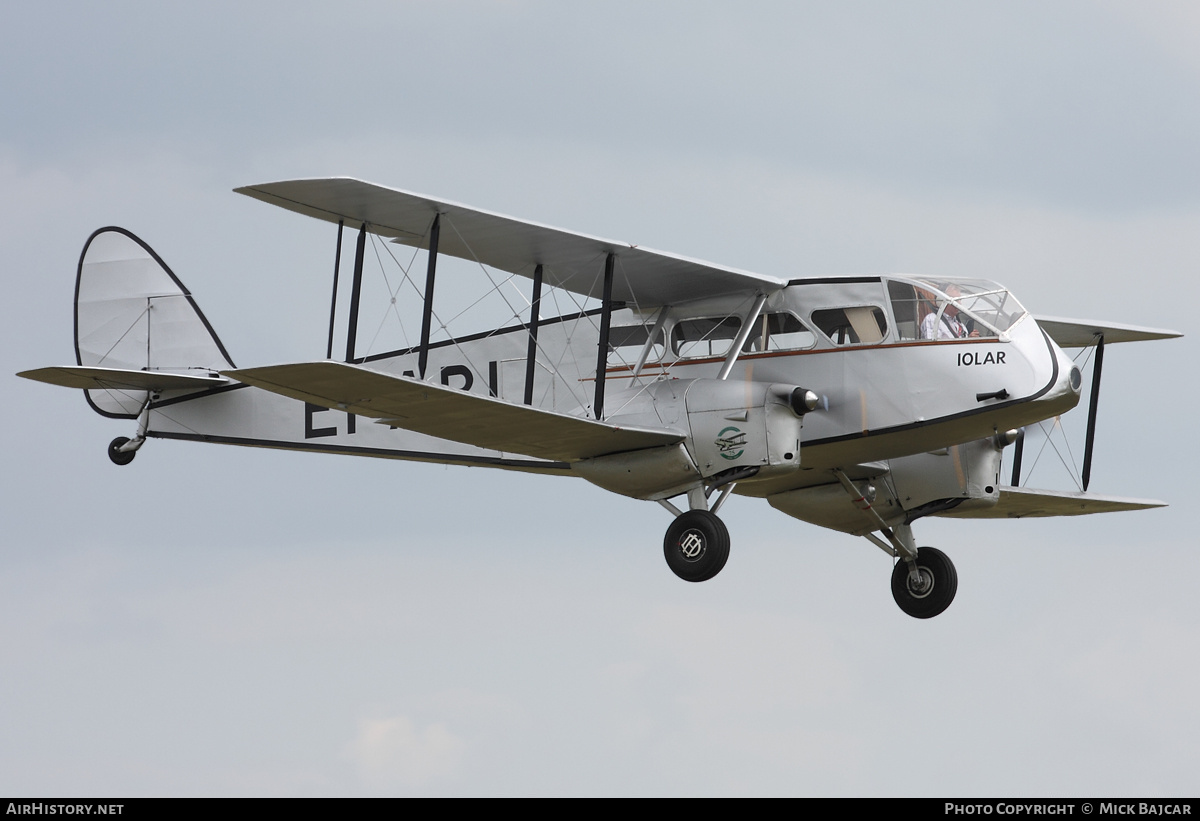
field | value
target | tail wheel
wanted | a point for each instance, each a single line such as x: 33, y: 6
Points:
x: 933, y: 588
x: 696, y: 546
x: 118, y: 456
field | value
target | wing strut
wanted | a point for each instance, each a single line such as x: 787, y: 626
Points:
x: 427, y: 315
x: 602, y: 347
x: 1018, y: 451
x: 337, y: 264
x: 535, y: 316
x: 1097, y: 365
x: 355, y: 289
x: 649, y: 346
x: 742, y: 336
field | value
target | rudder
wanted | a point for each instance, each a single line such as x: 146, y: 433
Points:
x: 132, y: 312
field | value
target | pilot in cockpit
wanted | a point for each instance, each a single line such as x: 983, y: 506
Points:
x: 946, y: 325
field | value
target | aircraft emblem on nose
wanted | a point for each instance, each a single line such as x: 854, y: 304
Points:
x: 732, y: 443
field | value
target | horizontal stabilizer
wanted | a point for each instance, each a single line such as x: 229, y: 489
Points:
x: 451, y: 414
x: 571, y: 260
x: 1020, y: 502
x: 90, y: 379
x: 1080, y: 333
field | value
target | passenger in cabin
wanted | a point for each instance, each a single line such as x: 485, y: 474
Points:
x: 948, y: 326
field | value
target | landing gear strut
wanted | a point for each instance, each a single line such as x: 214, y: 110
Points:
x: 122, y: 449
x: 696, y: 545
x: 924, y: 581
x: 926, y: 587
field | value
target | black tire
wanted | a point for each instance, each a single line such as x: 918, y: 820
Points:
x: 119, y: 458
x: 696, y: 546
x: 936, y: 567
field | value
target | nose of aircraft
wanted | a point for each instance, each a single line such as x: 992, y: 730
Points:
x: 1070, y: 380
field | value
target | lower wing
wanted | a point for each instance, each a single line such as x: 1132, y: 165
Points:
x: 452, y: 414
x: 1019, y: 502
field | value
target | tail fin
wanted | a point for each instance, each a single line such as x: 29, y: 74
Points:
x: 132, y: 313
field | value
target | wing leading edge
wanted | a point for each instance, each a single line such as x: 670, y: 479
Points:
x: 571, y: 260
x: 1080, y: 333
x: 451, y: 414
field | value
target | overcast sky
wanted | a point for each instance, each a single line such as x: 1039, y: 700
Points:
x: 223, y: 621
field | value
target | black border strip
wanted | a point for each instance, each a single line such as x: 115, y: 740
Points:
x: 183, y: 288
x: 834, y: 281
x: 164, y: 403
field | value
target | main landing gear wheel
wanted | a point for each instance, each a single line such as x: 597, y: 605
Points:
x: 114, y: 451
x: 696, y: 546
x: 932, y: 591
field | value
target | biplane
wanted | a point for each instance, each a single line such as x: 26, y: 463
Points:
x: 856, y: 403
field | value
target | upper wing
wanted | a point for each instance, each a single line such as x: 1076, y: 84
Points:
x: 450, y: 414
x: 1019, y: 502
x: 1079, y: 333
x: 571, y: 261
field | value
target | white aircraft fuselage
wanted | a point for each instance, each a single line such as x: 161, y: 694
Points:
x: 858, y: 403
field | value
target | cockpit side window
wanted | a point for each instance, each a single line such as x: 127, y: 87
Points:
x: 705, y: 337
x: 779, y: 332
x: 857, y: 325
x: 952, y: 308
x: 909, y: 309
x: 626, y: 343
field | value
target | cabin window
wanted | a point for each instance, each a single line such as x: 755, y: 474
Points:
x: 704, y: 337
x: 625, y: 345
x: 857, y: 325
x: 779, y: 332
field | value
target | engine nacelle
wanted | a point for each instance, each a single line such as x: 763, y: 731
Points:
x: 748, y: 427
x: 962, y: 477
x: 743, y: 424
